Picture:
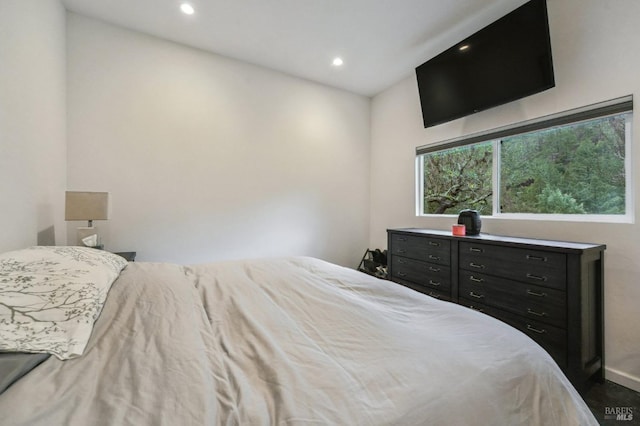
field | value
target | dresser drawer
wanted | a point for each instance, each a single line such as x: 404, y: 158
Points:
x: 430, y: 275
x: 546, y: 269
x: 527, y: 300
x: 429, y: 291
x: 552, y: 339
x: 428, y: 249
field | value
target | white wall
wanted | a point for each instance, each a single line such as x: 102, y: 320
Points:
x: 209, y: 158
x: 32, y: 123
x: 596, y: 58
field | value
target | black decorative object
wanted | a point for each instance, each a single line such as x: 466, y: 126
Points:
x: 471, y: 221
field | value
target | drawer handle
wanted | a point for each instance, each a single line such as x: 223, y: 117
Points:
x: 477, y: 296
x: 432, y: 269
x: 475, y: 250
x: 536, y: 330
x: 476, y: 265
x: 536, y: 277
x: 432, y: 257
x: 401, y: 251
x: 476, y: 309
x: 402, y: 238
x: 434, y: 283
x: 433, y: 243
x: 476, y: 280
x: 533, y: 293
x: 540, y: 258
x: 402, y: 261
x: 402, y: 274
x: 432, y: 294
x: 538, y: 314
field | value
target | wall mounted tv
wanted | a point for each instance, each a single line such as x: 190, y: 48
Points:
x: 507, y: 60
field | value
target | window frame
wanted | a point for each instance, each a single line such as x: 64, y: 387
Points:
x: 623, y: 105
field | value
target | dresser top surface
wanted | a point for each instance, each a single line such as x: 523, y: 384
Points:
x: 570, y: 246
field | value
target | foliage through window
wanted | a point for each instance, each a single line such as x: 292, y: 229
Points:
x: 457, y: 178
x: 574, y: 169
x: 577, y: 169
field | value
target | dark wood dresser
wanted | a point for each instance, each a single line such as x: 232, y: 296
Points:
x: 550, y: 290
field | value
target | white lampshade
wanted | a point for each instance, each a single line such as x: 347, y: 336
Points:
x: 86, y: 206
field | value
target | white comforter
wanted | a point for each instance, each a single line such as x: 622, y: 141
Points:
x: 291, y: 341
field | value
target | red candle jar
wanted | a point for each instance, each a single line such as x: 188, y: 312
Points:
x: 458, y: 230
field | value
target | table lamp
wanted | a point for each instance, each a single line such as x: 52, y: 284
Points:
x: 87, y: 206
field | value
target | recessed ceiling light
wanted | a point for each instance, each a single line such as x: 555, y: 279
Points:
x: 187, y: 9
x: 337, y: 62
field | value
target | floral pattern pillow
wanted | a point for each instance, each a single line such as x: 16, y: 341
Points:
x: 50, y: 297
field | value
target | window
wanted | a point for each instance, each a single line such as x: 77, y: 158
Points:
x: 572, y: 166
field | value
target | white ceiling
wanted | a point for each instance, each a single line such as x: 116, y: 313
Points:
x: 380, y: 41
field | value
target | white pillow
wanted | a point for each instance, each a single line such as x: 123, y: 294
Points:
x: 50, y: 297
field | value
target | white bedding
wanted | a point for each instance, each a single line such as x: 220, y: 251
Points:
x: 50, y: 297
x: 291, y: 341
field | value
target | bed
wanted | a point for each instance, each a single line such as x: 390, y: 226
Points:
x: 285, y: 341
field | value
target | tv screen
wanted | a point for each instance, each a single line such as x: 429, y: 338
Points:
x: 507, y: 60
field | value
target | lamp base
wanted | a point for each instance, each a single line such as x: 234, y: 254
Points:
x: 87, y: 231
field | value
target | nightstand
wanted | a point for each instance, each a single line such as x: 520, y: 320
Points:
x: 130, y: 256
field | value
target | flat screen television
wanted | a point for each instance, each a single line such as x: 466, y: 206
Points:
x: 507, y: 60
